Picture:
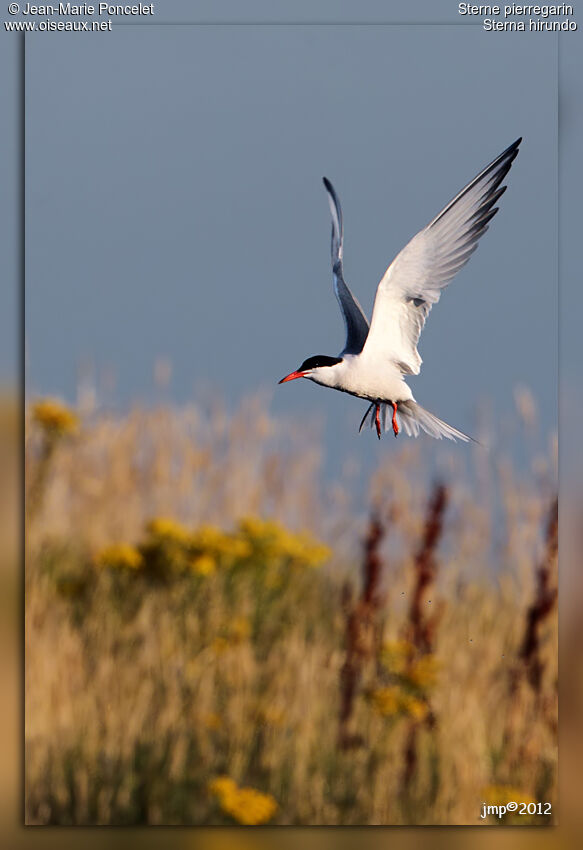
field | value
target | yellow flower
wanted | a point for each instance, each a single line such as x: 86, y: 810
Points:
x: 414, y: 707
x: 271, y: 540
x: 499, y: 795
x: 168, y: 530
x: 54, y: 417
x: 209, y: 537
x: 249, y: 807
x: 253, y: 527
x: 391, y: 701
x: 319, y: 554
x: 224, y: 548
x: 386, y: 701
x: 237, y: 548
x: 120, y: 556
x: 396, y: 655
x: 424, y: 672
x: 222, y: 785
x: 235, y: 633
x: 204, y: 565
x: 246, y: 805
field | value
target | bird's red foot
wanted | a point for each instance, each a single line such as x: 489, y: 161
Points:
x: 395, y: 425
x: 377, y: 420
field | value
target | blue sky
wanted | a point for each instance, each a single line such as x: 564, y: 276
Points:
x: 175, y: 207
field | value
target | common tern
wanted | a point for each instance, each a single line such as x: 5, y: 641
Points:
x: 375, y: 360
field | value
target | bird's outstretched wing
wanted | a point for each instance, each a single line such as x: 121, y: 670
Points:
x: 415, y: 279
x: 354, y: 318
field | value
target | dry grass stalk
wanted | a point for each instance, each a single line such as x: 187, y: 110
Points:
x: 362, y: 631
x: 420, y: 629
x: 530, y: 697
x: 544, y: 602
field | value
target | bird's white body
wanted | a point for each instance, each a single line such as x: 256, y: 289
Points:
x: 366, y: 377
x: 375, y: 360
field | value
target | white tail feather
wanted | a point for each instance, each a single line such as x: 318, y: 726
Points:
x: 413, y: 418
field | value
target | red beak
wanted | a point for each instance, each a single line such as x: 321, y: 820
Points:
x: 292, y: 376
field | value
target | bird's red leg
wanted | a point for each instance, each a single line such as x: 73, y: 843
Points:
x: 395, y: 426
x: 377, y: 420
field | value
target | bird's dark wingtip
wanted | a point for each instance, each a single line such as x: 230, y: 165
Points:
x: 510, y: 154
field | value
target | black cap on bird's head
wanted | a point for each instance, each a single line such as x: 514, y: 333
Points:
x: 315, y: 362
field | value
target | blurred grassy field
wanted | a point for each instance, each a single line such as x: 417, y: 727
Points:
x: 214, y: 636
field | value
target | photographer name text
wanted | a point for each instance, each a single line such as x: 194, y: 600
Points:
x: 86, y: 9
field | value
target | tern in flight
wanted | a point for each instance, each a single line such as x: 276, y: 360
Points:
x: 375, y: 360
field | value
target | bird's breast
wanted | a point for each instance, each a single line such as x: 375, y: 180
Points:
x: 369, y: 380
